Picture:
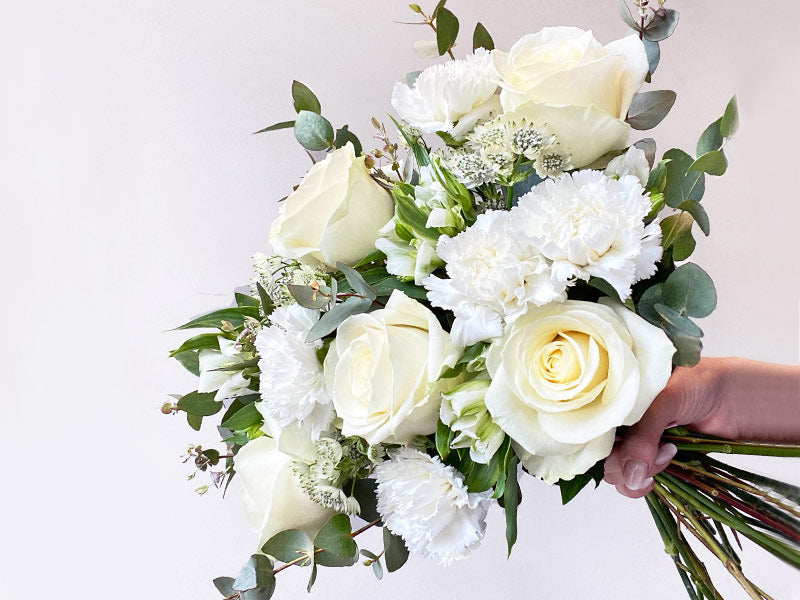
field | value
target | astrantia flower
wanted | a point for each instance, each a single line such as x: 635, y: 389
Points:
x: 494, y: 272
x: 427, y: 504
x: 458, y: 91
x: 226, y: 383
x: 292, y: 383
x: 317, y: 476
x: 589, y: 224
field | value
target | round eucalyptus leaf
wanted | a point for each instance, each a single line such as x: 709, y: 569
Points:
x: 288, y: 545
x: 646, y: 304
x: 313, y: 131
x: 690, y: 290
x: 678, y: 321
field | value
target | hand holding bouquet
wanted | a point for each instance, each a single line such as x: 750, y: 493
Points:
x: 494, y: 291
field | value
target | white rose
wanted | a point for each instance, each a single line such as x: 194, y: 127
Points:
x: 564, y: 77
x: 271, y: 499
x: 565, y: 376
x: 381, y: 371
x: 334, y: 215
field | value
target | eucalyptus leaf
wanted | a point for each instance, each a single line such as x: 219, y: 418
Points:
x: 224, y: 586
x: 234, y: 315
x: 605, y: 287
x: 653, y: 50
x: 261, y: 593
x: 481, y: 39
x: 276, y: 126
x: 661, y: 27
x: 658, y: 177
x: 690, y: 290
x: 257, y: 573
x: 313, y: 579
x: 681, y: 184
x: 674, y: 226
x: 646, y: 305
x: 711, y: 139
x: 200, y: 404
x: 304, y: 98
x: 308, y: 297
x: 313, y: 131
x: 446, y: 29
x: 335, y: 537
x: 328, y: 559
x: 648, y: 146
x: 245, y: 417
x: 377, y: 569
x: 356, y: 281
x: 289, y: 545
x: 648, y: 109
x: 411, y: 77
x: 683, y: 246
x: 687, y: 349
x: 625, y: 13
x: 336, y: 316
x: 386, y: 286
x: 678, y: 321
x: 344, y: 135
x: 713, y: 163
x: 194, y: 421
x: 395, y: 551
x: 190, y: 361
x: 730, y: 120
x: 699, y: 213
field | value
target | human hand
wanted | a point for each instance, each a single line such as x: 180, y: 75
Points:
x: 691, y: 398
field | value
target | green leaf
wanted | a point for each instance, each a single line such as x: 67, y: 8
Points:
x: 224, y: 585
x: 304, y: 98
x: 444, y: 437
x: 625, y: 13
x: 335, y: 537
x: 730, y: 120
x: 699, y: 213
x: 646, y: 305
x: 648, y: 109
x: 336, y: 316
x: 690, y: 290
x: 234, y: 315
x: 605, y: 287
x: 313, y: 131
x: 648, y: 146
x: 327, y: 559
x: 386, y: 286
x: 356, y: 281
x: 190, y: 360
x: 245, y: 300
x: 308, y: 297
x: 257, y: 573
x: 195, y: 421
x: 660, y: 28
x: 658, y: 177
x: 511, y: 499
x: 395, y: 551
x: 364, y: 491
x: 411, y: 78
x: 410, y: 214
x: 688, y: 349
x: 481, y: 39
x: 289, y: 545
x: 439, y: 5
x: 276, y: 126
x: 377, y: 570
x: 653, y: 51
x: 674, y: 226
x: 483, y: 477
x: 446, y: 29
x: 681, y: 184
x: 713, y: 163
x: 420, y: 153
x: 683, y: 246
x: 711, y: 139
x: 245, y: 417
x: 344, y: 135
x: 571, y: 488
x: 313, y: 578
x: 677, y: 321
x: 201, y: 405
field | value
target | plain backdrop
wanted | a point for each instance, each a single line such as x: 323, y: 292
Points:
x: 133, y: 194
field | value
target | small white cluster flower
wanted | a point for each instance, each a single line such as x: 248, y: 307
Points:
x: 589, y: 224
x: 275, y: 273
x: 427, y: 504
x: 316, y: 478
x: 292, y: 381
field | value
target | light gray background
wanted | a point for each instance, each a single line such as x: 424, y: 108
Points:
x: 133, y: 195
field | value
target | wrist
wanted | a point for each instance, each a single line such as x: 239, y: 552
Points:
x: 718, y: 375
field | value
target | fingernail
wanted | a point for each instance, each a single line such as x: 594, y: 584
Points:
x: 665, y: 454
x: 671, y: 424
x: 635, y: 474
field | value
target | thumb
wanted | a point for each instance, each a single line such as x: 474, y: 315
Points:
x: 640, y: 455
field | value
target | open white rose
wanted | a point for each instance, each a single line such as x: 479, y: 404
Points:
x: 381, y: 371
x: 271, y: 498
x: 582, y: 90
x: 334, y: 215
x: 566, y: 375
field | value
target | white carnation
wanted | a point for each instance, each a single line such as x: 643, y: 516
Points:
x: 589, y: 224
x: 458, y: 91
x: 292, y: 382
x: 428, y: 505
x: 494, y: 273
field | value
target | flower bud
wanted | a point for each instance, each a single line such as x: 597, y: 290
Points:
x: 416, y: 8
x: 167, y: 408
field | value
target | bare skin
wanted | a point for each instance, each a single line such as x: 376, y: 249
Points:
x: 734, y: 398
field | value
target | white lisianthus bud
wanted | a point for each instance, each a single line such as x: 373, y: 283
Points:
x: 427, y: 504
x: 227, y: 383
x: 464, y: 411
x: 633, y: 162
x: 335, y: 213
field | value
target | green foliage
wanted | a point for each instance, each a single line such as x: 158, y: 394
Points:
x: 648, y: 146
x: 699, y: 213
x: 690, y: 290
x: 313, y: 131
x: 420, y: 151
x: 336, y: 537
x: 364, y: 491
x: 308, y: 297
x: 245, y: 300
x: 444, y: 437
x: 713, y: 163
x: 625, y: 13
x: 395, y: 551
x: 711, y: 139
x: 648, y: 109
x: 200, y: 405
x: 344, y: 135
x: 190, y: 361
x: 267, y: 304
x: 234, y: 315
x: 410, y: 214
x: 571, y: 488
x: 304, y: 98
x: 289, y: 545
x: 337, y: 315
x: 677, y: 321
x: 194, y: 421
x: 481, y: 38
x: 730, y: 120
x: 224, y: 586
x: 682, y: 184
x: 676, y: 230
x: 483, y: 477
x: 511, y: 500
x: 276, y: 126
x: 446, y: 29
x: 356, y: 281
x: 411, y: 77
x: 247, y: 416
x: 661, y: 27
x: 204, y: 341
x: 653, y: 50
x: 257, y: 576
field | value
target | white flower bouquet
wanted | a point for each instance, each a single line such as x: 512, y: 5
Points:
x: 496, y: 291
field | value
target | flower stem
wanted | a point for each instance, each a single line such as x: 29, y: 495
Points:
x: 509, y: 197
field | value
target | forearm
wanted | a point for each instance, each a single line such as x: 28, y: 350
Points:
x: 756, y: 401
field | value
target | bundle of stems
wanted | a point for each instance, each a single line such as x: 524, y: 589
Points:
x: 701, y: 497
